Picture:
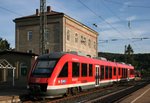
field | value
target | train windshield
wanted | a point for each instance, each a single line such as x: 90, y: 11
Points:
x: 44, y: 68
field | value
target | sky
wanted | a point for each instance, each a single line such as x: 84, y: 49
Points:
x: 118, y: 22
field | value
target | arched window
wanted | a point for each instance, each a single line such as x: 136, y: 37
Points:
x: 76, y: 38
x: 89, y: 43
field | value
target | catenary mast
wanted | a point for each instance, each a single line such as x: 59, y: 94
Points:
x: 43, y: 26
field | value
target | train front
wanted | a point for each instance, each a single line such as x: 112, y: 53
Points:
x: 40, y: 74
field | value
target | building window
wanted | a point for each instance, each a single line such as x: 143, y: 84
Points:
x: 84, y: 40
x: 76, y: 38
x: 29, y: 51
x: 68, y: 50
x: 89, y: 43
x: 23, y: 68
x: 46, y: 51
x: 29, y: 35
x: 68, y: 35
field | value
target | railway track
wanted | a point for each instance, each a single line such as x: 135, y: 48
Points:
x: 102, y: 95
x: 115, y: 97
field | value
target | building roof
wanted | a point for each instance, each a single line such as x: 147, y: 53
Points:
x: 50, y: 12
x: 38, y: 15
x: 17, y: 52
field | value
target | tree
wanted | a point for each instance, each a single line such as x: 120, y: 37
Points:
x: 4, y: 45
x: 129, y: 54
x: 128, y: 49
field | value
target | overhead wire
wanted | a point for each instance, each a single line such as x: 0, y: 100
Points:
x: 100, y: 17
x: 108, y: 22
x: 115, y: 2
x: 131, y: 32
x: 92, y: 23
x: 10, y: 11
x: 109, y: 9
x: 132, y: 6
x: 139, y: 6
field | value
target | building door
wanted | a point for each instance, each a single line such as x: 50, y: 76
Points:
x: 97, y: 75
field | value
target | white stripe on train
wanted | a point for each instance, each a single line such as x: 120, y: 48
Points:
x: 81, y: 84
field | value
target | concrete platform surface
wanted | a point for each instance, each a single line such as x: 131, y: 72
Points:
x: 140, y: 96
x: 11, y: 94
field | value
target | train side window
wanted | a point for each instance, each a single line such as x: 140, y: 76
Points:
x: 90, y: 70
x: 131, y: 72
x: 106, y: 75
x: 115, y: 71
x: 110, y: 72
x: 102, y: 72
x: 122, y: 72
x: 64, y: 71
x: 126, y: 72
x: 75, y: 69
x: 84, y: 69
x: 119, y: 71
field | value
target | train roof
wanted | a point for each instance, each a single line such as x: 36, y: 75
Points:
x: 56, y: 55
x: 75, y: 56
x: 53, y: 55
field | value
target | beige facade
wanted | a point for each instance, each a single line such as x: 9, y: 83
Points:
x: 63, y: 34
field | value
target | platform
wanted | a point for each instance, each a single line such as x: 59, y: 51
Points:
x: 140, y: 96
x: 11, y: 94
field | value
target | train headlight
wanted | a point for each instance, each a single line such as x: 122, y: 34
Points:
x: 28, y: 87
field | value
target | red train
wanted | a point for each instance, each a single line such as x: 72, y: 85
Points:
x: 56, y: 74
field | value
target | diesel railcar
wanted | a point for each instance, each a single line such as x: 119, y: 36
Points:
x: 56, y: 74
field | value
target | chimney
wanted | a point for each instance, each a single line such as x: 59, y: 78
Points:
x: 48, y: 9
x: 37, y: 12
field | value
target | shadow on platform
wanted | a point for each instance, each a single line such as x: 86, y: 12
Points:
x: 7, y: 88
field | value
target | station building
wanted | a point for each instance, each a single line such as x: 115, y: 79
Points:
x: 20, y: 62
x: 63, y: 34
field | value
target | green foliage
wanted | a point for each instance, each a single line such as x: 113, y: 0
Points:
x: 128, y: 50
x: 4, y: 45
x: 129, y: 54
x: 141, y: 61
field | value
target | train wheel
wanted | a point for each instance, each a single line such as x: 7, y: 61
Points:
x: 74, y: 90
x: 80, y: 89
x: 68, y: 92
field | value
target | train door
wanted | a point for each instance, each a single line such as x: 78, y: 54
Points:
x: 97, y: 75
x: 128, y: 74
